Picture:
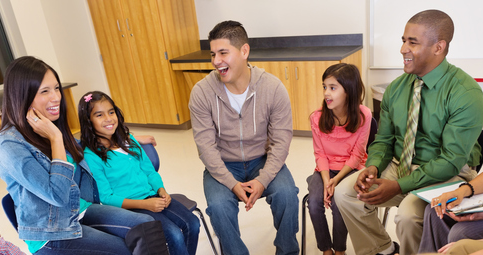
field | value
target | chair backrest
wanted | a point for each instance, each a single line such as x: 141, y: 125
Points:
x: 480, y: 142
x: 9, y: 208
x: 152, y: 155
x: 372, y: 133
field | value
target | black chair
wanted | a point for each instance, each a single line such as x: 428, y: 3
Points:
x: 188, y: 203
x: 9, y: 208
x: 372, y: 136
x: 480, y: 142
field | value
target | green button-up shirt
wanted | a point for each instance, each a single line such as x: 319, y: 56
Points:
x: 450, y: 121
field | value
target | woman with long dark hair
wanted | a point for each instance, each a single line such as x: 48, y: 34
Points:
x: 56, y: 198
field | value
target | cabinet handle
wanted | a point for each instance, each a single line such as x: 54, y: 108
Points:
x: 286, y: 76
x: 127, y: 24
x: 296, y: 73
x: 118, y: 27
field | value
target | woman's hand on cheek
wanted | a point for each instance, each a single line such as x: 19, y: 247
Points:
x: 42, y: 126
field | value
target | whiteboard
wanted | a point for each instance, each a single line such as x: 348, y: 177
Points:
x: 388, y: 19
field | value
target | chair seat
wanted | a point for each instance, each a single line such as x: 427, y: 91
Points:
x: 188, y: 203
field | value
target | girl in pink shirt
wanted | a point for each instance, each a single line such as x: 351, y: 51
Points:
x: 340, y: 131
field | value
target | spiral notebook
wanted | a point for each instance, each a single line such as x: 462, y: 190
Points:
x: 468, y: 205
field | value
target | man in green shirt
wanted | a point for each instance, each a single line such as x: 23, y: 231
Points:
x: 449, y: 123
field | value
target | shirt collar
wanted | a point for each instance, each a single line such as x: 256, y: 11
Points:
x: 431, y: 78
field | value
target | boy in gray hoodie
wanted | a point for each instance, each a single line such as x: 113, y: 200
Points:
x: 242, y: 126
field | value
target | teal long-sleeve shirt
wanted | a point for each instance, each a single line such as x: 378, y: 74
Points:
x: 450, y: 121
x: 123, y: 176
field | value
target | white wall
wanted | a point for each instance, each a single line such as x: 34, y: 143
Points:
x: 33, y: 31
x: 265, y: 18
x: 466, y: 43
x: 75, y: 43
x: 60, y: 33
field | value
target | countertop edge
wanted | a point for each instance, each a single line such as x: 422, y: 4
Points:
x: 202, y: 53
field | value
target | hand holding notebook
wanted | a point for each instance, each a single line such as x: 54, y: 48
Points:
x: 467, y: 205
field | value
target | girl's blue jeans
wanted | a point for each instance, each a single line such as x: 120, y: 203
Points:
x: 181, y: 228
x: 223, y: 210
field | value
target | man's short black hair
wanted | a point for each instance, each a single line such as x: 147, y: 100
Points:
x: 231, y: 30
x: 438, y: 24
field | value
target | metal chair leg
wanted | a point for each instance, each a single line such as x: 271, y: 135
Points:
x: 304, y: 206
x: 207, y: 230
x: 384, y: 219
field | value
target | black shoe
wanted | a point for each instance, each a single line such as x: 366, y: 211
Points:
x: 396, y: 250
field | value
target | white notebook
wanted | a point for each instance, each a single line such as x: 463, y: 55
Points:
x: 468, y: 205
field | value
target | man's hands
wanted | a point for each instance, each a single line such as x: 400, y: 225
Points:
x: 254, y: 187
x: 365, y: 180
x: 386, y: 189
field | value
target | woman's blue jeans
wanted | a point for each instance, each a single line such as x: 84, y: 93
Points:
x: 223, y: 210
x: 181, y: 228
x: 103, y: 231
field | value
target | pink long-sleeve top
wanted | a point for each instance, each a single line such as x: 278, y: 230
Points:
x: 333, y: 151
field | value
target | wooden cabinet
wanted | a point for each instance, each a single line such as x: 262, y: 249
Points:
x: 282, y: 70
x: 303, y: 80
x: 136, y: 39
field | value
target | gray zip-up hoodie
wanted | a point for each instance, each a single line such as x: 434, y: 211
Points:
x: 264, y: 125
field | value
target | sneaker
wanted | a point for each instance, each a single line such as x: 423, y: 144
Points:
x: 396, y: 250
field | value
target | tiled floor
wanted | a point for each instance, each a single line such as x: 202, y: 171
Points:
x: 181, y: 170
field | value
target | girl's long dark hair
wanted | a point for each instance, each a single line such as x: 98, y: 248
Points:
x: 89, y: 136
x: 349, y: 77
x: 21, y: 84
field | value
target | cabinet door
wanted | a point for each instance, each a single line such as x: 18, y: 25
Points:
x: 355, y: 59
x: 150, y: 64
x: 281, y: 70
x: 113, y: 43
x: 180, y: 27
x: 308, y: 92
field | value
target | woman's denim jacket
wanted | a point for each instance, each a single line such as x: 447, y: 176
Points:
x: 46, y: 193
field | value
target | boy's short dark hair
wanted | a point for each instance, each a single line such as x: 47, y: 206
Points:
x: 231, y: 30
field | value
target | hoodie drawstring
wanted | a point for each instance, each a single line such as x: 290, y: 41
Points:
x: 254, y: 106
x: 218, y: 111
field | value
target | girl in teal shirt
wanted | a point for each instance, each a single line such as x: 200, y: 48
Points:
x: 125, y: 175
